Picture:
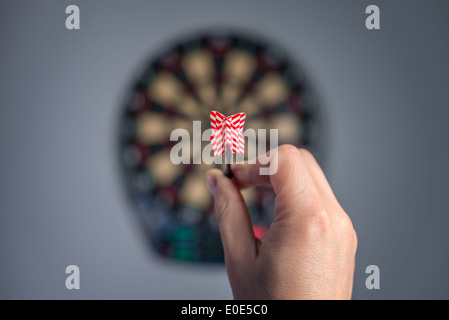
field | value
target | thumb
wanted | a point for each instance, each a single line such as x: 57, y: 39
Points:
x: 233, y: 219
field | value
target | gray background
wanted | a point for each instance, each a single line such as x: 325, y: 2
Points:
x: 385, y: 102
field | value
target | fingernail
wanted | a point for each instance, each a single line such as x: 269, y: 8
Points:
x: 212, y: 182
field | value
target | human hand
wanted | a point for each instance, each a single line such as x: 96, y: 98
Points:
x: 308, y: 251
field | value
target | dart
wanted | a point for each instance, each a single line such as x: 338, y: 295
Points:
x: 227, y: 136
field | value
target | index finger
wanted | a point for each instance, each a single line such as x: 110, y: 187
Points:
x: 292, y: 181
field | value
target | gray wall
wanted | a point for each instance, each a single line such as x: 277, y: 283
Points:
x: 385, y: 102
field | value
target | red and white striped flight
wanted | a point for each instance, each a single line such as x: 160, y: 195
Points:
x: 227, y: 131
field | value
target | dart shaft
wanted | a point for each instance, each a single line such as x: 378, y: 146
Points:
x: 228, y: 161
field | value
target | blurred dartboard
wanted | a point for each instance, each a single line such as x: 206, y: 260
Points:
x: 227, y: 73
